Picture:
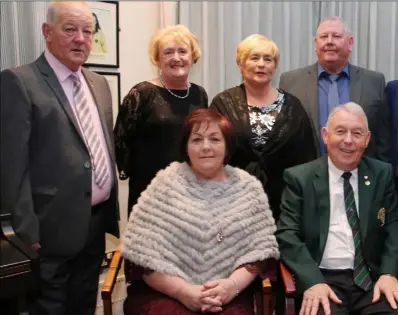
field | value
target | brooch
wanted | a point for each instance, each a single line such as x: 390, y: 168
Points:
x: 220, y: 237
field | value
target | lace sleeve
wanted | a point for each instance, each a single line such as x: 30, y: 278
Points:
x: 126, y: 123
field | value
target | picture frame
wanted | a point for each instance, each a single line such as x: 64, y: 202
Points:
x: 113, y: 79
x: 105, y: 47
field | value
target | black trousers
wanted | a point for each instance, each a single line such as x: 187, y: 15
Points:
x: 355, y: 300
x: 69, y: 285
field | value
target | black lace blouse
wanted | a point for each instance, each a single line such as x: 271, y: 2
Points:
x: 147, y: 132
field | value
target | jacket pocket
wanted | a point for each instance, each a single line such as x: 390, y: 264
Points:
x: 42, y: 197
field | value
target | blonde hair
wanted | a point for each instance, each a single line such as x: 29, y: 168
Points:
x: 255, y: 41
x: 181, y: 34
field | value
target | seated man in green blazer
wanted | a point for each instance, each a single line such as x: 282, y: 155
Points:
x: 338, y: 229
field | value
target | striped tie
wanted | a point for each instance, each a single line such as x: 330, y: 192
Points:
x: 361, y: 273
x: 91, y: 138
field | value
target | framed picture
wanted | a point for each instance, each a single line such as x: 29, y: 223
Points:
x: 113, y: 79
x: 105, y: 48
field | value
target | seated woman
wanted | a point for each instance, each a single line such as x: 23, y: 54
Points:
x: 202, y: 230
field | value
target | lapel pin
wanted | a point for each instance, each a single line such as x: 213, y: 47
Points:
x: 367, y: 183
x: 366, y: 177
x: 381, y: 215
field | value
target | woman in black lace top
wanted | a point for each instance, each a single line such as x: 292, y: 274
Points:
x: 148, y: 126
x: 272, y: 128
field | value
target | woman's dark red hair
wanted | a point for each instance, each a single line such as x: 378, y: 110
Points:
x: 207, y: 116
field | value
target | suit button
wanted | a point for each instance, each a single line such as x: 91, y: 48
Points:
x: 87, y: 164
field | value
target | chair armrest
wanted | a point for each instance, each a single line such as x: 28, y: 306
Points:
x: 110, y: 280
x: 9, y: 233
x: 265, y: 302
x: 267, y: 287
x: 288, y: 281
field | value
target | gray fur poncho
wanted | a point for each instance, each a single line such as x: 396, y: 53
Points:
x: 200, y: 230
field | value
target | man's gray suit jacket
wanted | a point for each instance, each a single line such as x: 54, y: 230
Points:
x: 366, y: 89
x: 46, y: 173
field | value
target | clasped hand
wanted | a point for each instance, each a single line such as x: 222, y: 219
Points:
x: 210, y: 296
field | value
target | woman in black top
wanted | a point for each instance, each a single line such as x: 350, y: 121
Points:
x: 272, y: 128
x: 148, y: 126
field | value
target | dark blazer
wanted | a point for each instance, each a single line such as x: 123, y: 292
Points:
x: 290, y: 141
x: 392, y: 99
x: 45, y: 166
x: 305, y: 211
x: 366, y: 89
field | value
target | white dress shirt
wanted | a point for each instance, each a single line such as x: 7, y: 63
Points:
x: 98, y: 195
x: 339, y: 250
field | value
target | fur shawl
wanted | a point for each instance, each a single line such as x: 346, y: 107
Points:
x: 200, y: 230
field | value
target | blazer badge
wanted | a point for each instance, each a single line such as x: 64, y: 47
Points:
x: 381, y: 215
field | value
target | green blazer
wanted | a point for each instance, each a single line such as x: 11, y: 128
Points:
x: 305, y: 212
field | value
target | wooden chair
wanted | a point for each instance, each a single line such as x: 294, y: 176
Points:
x: 263, y: 296
x: 290, y: 290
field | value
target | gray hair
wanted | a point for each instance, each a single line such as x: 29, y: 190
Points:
x: 347, y: 30
x: 350, y: 107
x: 52, y: 13
x: 53, y: 8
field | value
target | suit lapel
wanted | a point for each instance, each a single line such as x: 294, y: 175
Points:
x: 355, y: 84
x: 365, y: 192
x: 322, y: 196
x: 312, y: 96
x: 52, y: 80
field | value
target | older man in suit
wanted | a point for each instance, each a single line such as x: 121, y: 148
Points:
x: 338, y: 229
x: 57, y: 162
x: 333, y: 81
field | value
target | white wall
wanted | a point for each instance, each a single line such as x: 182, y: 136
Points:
x: 138, y: 22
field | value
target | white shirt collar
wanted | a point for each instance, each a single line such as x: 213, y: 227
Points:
x: 335, y: 173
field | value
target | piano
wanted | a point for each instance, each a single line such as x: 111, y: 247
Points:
x: 17, y: 268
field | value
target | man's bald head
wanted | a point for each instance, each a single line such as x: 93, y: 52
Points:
x: 55, y: 8
x: 69, y: 32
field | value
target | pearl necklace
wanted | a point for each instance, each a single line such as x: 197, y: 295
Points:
x: 178, y: 96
